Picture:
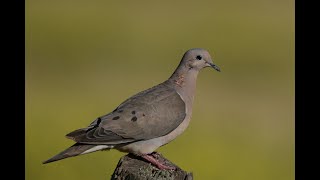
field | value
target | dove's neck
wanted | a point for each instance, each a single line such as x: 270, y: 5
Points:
x: 184, y: 81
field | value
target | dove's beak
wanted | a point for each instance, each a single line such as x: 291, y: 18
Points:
x: 214, y: 66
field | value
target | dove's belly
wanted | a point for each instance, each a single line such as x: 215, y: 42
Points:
x: 149, y: 146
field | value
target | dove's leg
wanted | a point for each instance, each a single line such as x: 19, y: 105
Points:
x: 155, y: 162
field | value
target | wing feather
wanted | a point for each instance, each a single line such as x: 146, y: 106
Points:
x: 149, y: 114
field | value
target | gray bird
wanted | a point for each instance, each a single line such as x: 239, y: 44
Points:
x: 147, y: 120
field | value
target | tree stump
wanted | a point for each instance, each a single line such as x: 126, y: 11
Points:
x: 131, y: 167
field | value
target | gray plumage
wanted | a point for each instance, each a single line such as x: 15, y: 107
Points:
x: 148, y: 119
x: 74, y: 150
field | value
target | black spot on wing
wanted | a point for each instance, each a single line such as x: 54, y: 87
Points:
x: 116, y: 118
x: 134, y: 119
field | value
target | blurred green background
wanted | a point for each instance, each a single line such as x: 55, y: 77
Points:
x: 83, y: 58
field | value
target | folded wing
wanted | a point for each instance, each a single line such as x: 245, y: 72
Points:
x: 149, y: 114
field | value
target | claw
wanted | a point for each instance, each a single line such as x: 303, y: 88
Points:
x: 151, y: 158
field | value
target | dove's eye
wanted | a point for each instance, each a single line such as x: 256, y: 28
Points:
x: 199, y: 57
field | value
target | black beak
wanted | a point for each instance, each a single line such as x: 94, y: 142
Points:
x: 214, y: 66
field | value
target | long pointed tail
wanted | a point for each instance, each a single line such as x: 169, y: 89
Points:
x: 74, y: 150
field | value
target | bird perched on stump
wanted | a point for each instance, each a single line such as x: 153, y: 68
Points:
x: 147, y: 120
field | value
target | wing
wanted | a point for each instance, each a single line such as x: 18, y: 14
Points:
x: 149, y: 114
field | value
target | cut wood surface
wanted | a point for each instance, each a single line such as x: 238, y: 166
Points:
x: 131, y: 167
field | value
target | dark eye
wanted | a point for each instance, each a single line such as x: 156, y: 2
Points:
x: 199, y: 57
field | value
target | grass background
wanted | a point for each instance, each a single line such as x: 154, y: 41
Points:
x: 83, y: 58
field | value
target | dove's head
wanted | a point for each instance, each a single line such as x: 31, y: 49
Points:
x: 198, y: 59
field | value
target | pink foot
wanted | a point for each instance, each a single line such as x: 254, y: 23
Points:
x: 156, y: 163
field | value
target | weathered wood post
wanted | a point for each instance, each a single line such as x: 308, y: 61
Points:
x: 131, y: 167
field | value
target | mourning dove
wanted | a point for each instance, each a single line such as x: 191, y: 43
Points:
x: 147, y: 120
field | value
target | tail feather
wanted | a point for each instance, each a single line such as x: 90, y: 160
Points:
x: 74, y: 150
